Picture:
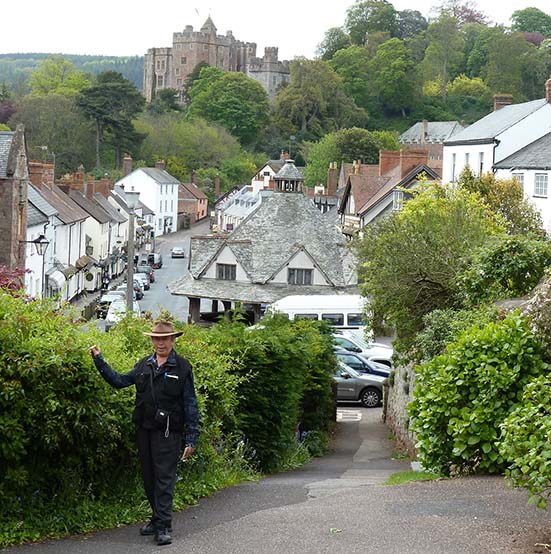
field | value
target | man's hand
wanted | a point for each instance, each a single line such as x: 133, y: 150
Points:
x: 188, y: 453
x: 94, y: 351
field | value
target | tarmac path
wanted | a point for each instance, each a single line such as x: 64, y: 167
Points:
x: 337, y: 504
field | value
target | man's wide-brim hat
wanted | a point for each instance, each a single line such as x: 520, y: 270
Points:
x: 163, y: 329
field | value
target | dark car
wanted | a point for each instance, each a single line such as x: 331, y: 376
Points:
x: 148, y: 270
x: 359, y: 387
x: 361, y: 364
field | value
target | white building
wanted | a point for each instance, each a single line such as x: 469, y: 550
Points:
x: 531, y: 166
x: 158, y: 191
x: 497, y: 136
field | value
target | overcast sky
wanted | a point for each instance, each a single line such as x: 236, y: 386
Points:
x: 130, y: 27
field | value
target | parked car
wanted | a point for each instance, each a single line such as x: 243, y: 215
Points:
x: 155, y: 260
x: 177, y: 252
x: 105, y: 301
x: 358, y: 387
x: 117, y: 310
x: 372, y: 351
x: 361, y: 364
x: 137, y: 294
x: 144, y: 279
x: 148, y: 270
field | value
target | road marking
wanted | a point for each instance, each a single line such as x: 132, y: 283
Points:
x: 349, y: 415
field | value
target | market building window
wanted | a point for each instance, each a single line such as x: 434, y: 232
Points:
x: 297, y: 276
x: 226, y: 272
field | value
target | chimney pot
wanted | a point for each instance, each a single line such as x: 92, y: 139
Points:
x: 160, y: 164
x: 548, y: 90
x: 126, y: 165
x: 502, y: 100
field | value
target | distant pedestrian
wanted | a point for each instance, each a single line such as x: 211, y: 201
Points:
x: 165, y: 407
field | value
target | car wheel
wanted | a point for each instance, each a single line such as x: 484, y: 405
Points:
x: 370, y: 397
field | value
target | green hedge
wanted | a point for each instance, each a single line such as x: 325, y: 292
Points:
x: 463, y: 396
x: 67, y: 453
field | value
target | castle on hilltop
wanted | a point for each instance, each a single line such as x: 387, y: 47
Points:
x: 169, y: 67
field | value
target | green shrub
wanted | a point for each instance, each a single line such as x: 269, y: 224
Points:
x: 462, y: 397
x: 440, y: 327
x: 506, y: 267
x: 525, y: 441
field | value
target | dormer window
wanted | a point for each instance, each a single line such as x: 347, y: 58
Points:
x: 296, y: 276
x: 397, y: 200
x: 226, y: 272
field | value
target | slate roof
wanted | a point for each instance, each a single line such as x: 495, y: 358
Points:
x: 37, y: 199
x: 289, y: 171
x: 68, y: 211
x: 436, y: 132
x: 160, y: 176
x: 6, y: 139
x: 492, y: 125
x: 283, y: 224
x: 35, y: 216
x: 536, y: 155
x: 92, y: 208
x: 115, y: 215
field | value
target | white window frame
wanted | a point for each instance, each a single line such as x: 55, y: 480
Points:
x: 541, y: 181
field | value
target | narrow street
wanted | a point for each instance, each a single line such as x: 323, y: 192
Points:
x: 337, y: 505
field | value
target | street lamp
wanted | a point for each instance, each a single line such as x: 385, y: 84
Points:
x: 41, y: 244
x: 132, y: 198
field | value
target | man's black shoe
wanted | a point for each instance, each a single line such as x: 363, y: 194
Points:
x: 163, y: 537
x: 148, y: 529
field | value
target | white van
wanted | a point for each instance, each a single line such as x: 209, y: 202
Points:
x: 342, y: 311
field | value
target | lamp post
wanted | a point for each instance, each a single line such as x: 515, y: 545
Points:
x: 132, y: 198
x: 41, y: 244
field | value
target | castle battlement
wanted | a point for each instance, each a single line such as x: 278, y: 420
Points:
x: 168, y: 67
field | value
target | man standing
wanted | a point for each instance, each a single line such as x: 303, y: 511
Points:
x: 165, y: 407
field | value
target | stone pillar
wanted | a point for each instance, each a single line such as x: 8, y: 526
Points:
x: 194, y: 310
x: 256, y: 312
x: 227, y: 308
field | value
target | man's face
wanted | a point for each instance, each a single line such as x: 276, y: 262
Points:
x: 162, y: 345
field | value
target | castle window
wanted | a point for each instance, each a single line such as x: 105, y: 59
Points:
x: 297, y: 276
x: 205, y: 46
x: 177, y: 71
x: 158, y: 65
x: 183, y: 60
x: 226, y: 272
x: 179, y: 82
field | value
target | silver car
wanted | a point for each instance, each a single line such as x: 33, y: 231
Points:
x: 358, y: 387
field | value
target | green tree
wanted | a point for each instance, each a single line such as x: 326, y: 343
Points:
x: 531, y: 20
x: 56, y: 122
x: 352, y: 65
x: 57, y: 75
x: 112, y: 102
x: 503, y: 70
x: 410, y: 23
x: 367, y: 16
x: 465, y: 11
x: 314, y: 102
x: 506, y: 198
x: 444, y: 53
x: 345, y: 145
x: 393, y: 81
x: 410, y: 260
x: 335, y: 39
x: 233, y: 100
x: 166, y: 100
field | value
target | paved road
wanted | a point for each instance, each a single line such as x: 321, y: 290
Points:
x: 337, y: 505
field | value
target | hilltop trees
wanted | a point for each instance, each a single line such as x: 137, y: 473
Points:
x: 57, y: 75
x: 111, y: 103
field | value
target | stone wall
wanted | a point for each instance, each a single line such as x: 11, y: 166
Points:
x: 398, y: 395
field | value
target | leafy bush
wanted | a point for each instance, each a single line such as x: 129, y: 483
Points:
x: 525, y: 441
x: 506, y: 267
x: 464, y: 395
x: 440, y: 327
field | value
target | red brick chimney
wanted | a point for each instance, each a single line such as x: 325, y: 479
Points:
x: 388, y: 159
x: 502, y: 100
x: 410, y: 159
x: 548, y: 90
x: 271, y: 184
x: 160, y: 164
x: 41, y: 173
x: 332, y: 179
x: 103, y: 186
x: 217, y: 186
x: 126, y: 165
